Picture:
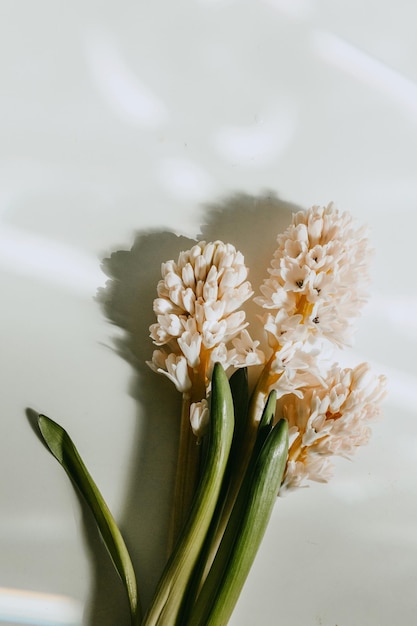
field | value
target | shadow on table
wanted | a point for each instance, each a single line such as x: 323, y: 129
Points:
x: 251, y: 223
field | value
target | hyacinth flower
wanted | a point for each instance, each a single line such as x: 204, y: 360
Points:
x: 315, y: 289
x: 329, y: 420
x: 199, y: 322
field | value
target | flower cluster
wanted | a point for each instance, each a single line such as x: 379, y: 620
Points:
x: 317, y: 278
x: 315, y: 289
x: 199, y: 321
x: 330, y: 420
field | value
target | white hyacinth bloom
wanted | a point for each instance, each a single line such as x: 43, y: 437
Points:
x: 199, y: 318
x: 330, y: 420
x: 317, y: 279
x: 315, y: 289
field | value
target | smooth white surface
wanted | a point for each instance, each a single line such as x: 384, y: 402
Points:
x: 121, y: 118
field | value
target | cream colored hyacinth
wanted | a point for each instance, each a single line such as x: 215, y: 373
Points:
x: 200, y: 321
x: 330, y: 420
x: 315, y: 290
x: 318, y: 278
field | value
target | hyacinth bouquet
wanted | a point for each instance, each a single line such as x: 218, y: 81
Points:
x: 244, y: 444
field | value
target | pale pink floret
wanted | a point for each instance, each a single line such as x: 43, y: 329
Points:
x: 199, y: 416
x: 173, y: 367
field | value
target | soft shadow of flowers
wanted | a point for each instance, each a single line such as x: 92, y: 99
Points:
x: 251, y: 223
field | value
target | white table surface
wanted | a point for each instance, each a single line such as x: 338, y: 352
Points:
x: 121, y: 120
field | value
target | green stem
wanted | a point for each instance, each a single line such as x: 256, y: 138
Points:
x: 186, y: 478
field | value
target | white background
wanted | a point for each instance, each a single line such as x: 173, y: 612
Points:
x: 122, y: 119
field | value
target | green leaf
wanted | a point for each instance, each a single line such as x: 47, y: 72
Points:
x: 240, y: 394
x: 64, y: 450
x: 166, y: 606
x: 264, y: 428
x: 244, y: 532
x: 216, y: 530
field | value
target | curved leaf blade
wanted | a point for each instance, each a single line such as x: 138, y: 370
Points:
x: 64, y: 450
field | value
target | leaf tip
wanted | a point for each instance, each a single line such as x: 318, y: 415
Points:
x: 53, y: 435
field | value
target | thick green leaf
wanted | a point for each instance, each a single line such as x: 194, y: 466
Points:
x: 64, y: 450
x: 166, y: 606
x: 244, y: 532
x: 214, y: 539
